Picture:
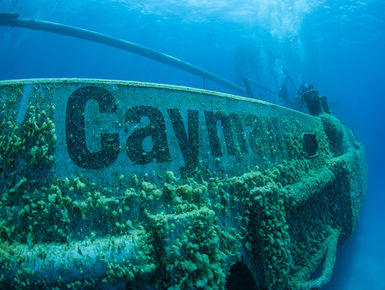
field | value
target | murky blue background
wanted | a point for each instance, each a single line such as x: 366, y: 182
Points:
x: 339, y: 46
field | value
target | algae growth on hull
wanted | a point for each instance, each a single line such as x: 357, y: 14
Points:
x: 276, y: 198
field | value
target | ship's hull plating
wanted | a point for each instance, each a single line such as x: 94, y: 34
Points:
x: 147, y: 185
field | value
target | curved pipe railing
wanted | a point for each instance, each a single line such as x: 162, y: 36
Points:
x: 11, y: 19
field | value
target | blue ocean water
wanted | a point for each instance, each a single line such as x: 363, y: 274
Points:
x: 338, y: 46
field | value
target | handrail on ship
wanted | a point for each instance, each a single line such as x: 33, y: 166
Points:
x: 12, y: 19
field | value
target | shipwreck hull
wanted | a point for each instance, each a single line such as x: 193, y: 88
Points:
x: 144, y: 185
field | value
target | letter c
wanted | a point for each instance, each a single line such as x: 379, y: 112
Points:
x: 75, y: 129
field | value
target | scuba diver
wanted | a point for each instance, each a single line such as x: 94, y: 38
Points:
x: 283, y: 93
x: 296, y: 102
x: 303, y: 88
x: 286, y: 93
x: 315, y: 103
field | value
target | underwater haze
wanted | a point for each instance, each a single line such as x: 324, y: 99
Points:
x: 337, y: 46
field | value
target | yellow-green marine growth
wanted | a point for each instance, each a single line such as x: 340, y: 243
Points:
x: 281, y: 218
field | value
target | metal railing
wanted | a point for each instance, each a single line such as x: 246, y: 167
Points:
x: 13, y: 20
